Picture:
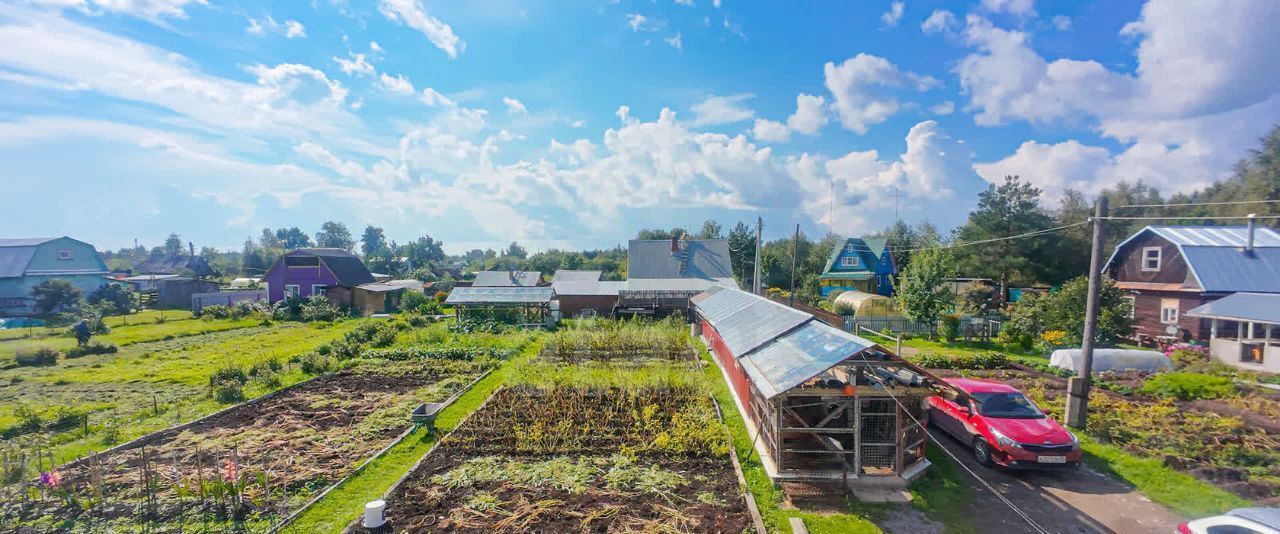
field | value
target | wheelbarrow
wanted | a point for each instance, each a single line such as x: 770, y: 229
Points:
x: 424, y: 416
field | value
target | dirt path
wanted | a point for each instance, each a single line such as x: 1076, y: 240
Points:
x: 1065, y: 502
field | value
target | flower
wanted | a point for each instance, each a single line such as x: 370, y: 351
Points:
x: 230, y: 471
x: 51, y: 478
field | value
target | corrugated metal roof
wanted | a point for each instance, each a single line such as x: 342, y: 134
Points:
x: 507, y: 279
x: 24, y: 241
x: 677, y: 284
x: 500, y: 295
x: 800, y: 355
x: 588, y: 287
x: 14, y: 260
x: 746, y: 321
x: 570, y: 275
x: 1227, y: 269
x: 707, y: 258
x: 1256, y: 307
x: 1217, y: 236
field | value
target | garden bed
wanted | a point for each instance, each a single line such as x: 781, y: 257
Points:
x: 576, y: 458
x: 249, y: 465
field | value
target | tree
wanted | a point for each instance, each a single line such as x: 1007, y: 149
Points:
x: 1063, y: 310
x: 54, y: 295
x: 1012, y: 208
x: 424, y: 252
x: 923, y: 293
x: 293, y: 238
x: 173, y: 245
x: 710, y: 230
x: 372, y: 241
x: 514, y: 250
x: 113, y: 299
x: 742, y: 250
x: 334, y: 234
x: 269, y: 239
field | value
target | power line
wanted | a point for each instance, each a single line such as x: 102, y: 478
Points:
x: 1206, y: 218
x: 992, y: 489
x: 1225, y: 203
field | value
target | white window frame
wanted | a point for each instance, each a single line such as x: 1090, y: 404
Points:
x: 1169, y: 311
x: 848, y: 247
x: 317, y: 289
x: 1146, y: 257
x: 65, y: 254
x: 292, y: 291
x: 850, y: 261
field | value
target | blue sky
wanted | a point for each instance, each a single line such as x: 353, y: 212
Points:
x: 573, y: 123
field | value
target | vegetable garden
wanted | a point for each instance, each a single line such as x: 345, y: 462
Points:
x: 620, y: 342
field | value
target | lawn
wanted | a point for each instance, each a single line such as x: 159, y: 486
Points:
x: 146, y: 386
x: 137, y: 328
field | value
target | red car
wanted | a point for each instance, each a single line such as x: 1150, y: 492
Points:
x: 1003, y: 426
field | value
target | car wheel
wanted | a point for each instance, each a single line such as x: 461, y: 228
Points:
x: 982, y: 452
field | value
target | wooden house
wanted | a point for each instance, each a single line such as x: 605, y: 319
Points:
x: 26, y: 263
x: 859, y: 264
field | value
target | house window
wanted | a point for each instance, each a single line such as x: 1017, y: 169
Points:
x: 848, y: 248
x: 64, y: 254
x: 12, y: 302
x: 849, y: 261
x: 1169, y: 311
x: 1150, y: 258
x: 317, y: 289
x: 291, y: 291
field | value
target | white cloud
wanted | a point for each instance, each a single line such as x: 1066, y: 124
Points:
x: 735, y: 29
x: 374, y: 46
x: 810, y: 115
x: 939, y: 21
x: 433, y: 98
x: 147, y: 9
x: 412, y: 14
x: 675, y: 41
x: 578, y: 123
x: 255, y: 28
x: 291, y: 29
x: 684, y: 2
x: 1061, y: 23
x: 893, y: 16
x: 722, y: 110
x: 397, y: 84
x: 356, y: 64
x: 943, y: 108
x: 770, y: 131
x: 641, y: 23
x: 294, y: 29
x: 860, y: 88
x: 514, y: 107
x: 1052, y: 168
x: 1018, y: 8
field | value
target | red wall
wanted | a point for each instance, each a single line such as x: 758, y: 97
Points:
x: 737, y: 377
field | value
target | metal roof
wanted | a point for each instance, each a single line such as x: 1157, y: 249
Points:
x: 707, y: 258
x: 1217, y: 236
x: 603, y: 288
x: 1254, y: 307
x: 507, y: 279
x: 14, y: 259
x: 24, y: 241
x: 1224, y: 269
x: 677, y: 284
x: 804, y: 353
x: 500, y: 295
x: 570, y: 275
x: 392, y: 285
x: 746, y: 321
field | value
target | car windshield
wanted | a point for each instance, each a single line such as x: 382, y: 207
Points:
x: 1006, y: 406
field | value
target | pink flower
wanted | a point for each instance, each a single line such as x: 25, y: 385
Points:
x: 51, y: 479
x: 230, y: 472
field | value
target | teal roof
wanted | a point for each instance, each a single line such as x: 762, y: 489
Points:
x: 863, y: 246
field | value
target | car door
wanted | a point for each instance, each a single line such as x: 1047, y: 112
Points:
x: 948, y: 415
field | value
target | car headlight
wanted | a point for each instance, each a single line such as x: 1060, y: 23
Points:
x: 1005, y: 441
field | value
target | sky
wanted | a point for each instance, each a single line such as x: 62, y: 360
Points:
x: 573, y: 124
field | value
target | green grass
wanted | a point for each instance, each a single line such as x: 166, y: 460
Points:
x: 943, y: 493
x: 140, y: 328
x: 1182, y: 493
x: 769, y: 498
x: 118, y: 389
x: 346, y: 502
x: 1014, y: 352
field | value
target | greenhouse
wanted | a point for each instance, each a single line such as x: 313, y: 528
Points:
x: 860, y: 304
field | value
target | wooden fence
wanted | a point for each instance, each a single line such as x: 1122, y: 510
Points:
x: 970, y: 327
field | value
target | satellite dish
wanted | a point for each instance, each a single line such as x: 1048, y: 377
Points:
x: 1171, y: 330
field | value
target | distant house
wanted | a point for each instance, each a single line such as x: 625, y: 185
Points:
x: 25, y: 263
x: 307, y: 272
x: 1168, y: 270
x: 859, y: 264
x: 582, y: 293
x: 662, y: 275
x: 507, y: 279
x: 571, y: 275
x: 1243, y: 330
x: 164, y: 264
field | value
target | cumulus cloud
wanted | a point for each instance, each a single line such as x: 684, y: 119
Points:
x: 514, y: 107
x: 147, y: 9
x: 943, y: 108
x: 397, y: 84
x: 433, y: 98
x: 412, y: 14
x: 1018, y: 8
x: 354, y: 64
x: 770, y: 131
x: 290, y: 29
x: 675, y: 41
x: 722, y: 110
x: 939, y: 21
x: 810, y: 115
x: 891, y: 17
x: 862, y: 87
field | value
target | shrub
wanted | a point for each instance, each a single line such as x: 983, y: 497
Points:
x: 216, y: 311
x: 65, y: 417
x: 982, y: 360
x: 39, y: 357
x: 315, y: 364
x: 228, y: 383
x: 318, y: 308
x: 91, y: 348
x: 1189, y: 386
x: 843, y: 308
x: 345, y: 349
x: 383, y: 337
x: 950, y: 327
x: 113, y: 299
x: 417, y: 321
x: 441, y: 296
x: 1185, y: 354
x: 28, y: 422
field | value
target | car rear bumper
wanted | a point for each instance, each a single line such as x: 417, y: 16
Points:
x: 1034, y: 465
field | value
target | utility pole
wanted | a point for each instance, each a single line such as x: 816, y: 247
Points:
x: 756, y: 286
x: 1078, y: 386
x: 795, y: 251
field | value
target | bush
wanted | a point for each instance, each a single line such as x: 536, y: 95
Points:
x: 315, y: 364
x: 39, y: 357
x: 440, y: 353
x: 228, y: 383
x: 441, y: 296
x: 28, y: 422
x: 418, y: 321
x: 1189, y: 386
x: 843, y: 308
x: 950, y: 327
x: 216, y: 311
x: 345, y: 349
x: 113, y: 299
x: 1187, y: 355
x: 415, y: 302
x: 92, y: 348
x: 979, y: 361
x: 318, y: 308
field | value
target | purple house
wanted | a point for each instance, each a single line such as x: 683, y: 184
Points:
x: 316, y: 271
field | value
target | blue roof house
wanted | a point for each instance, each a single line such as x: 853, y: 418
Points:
x: 859, y: 264
x: 26, y: 262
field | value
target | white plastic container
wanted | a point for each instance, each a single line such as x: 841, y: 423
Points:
x: 375, y: 514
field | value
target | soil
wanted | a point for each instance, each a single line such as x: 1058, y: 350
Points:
x: 302, y: 439
x: 1253, y: 419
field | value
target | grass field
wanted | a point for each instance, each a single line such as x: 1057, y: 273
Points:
x: 148, y: 386
x: 137, y: 328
